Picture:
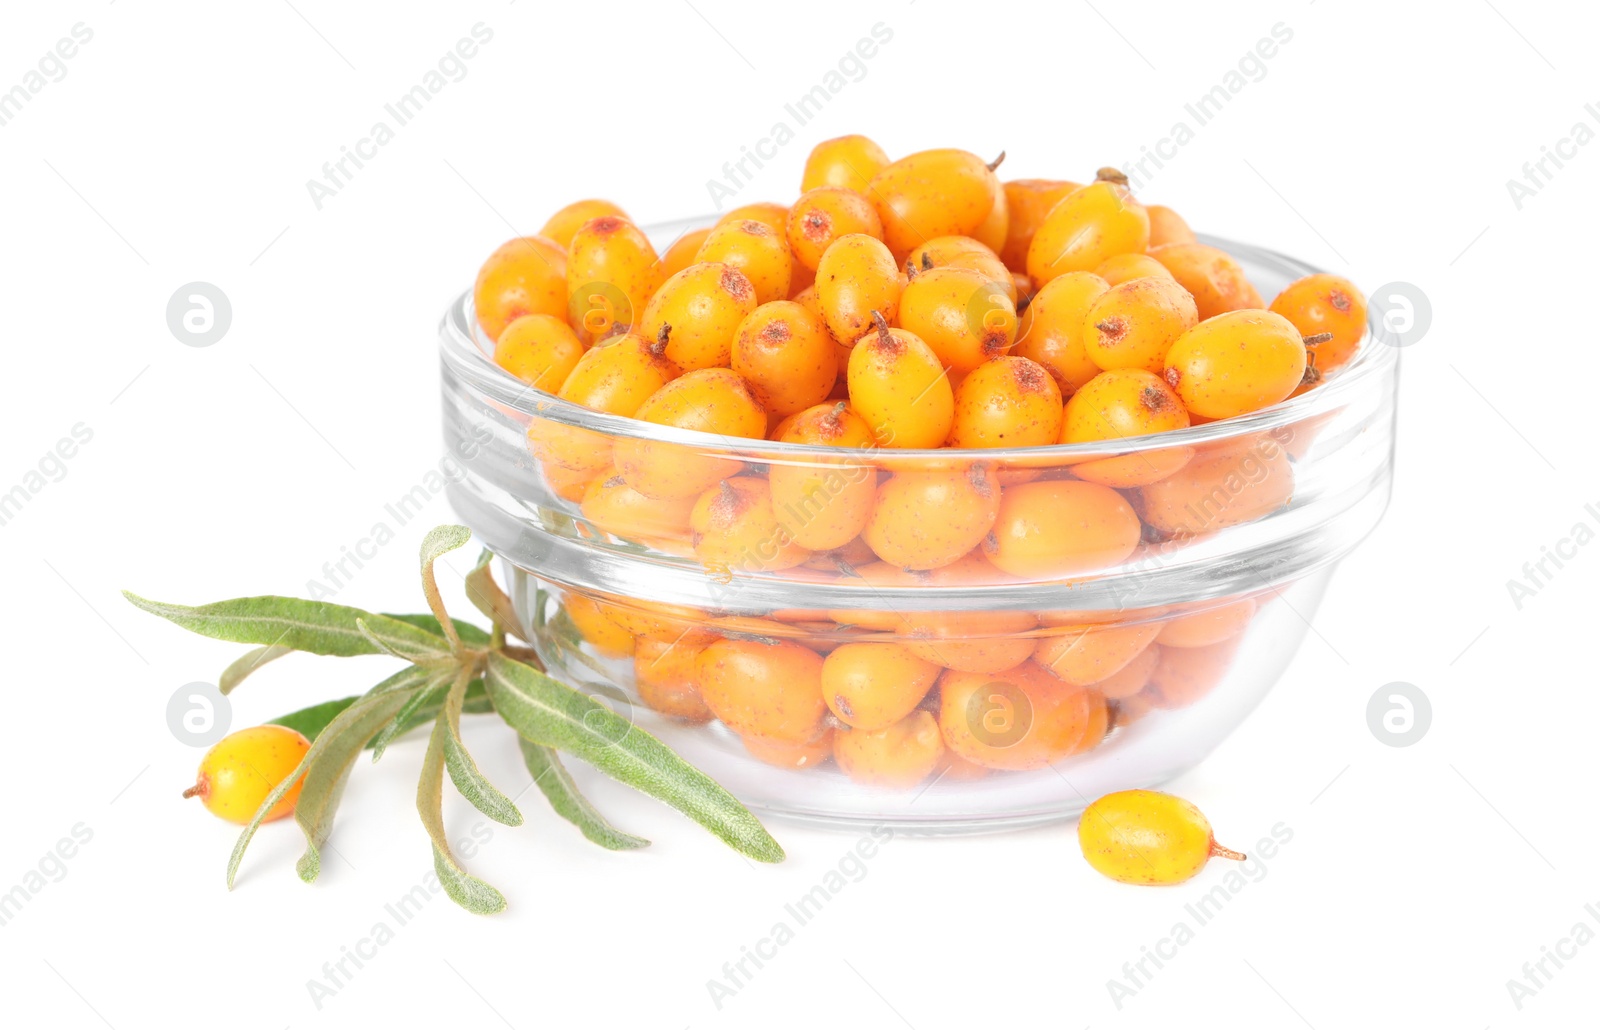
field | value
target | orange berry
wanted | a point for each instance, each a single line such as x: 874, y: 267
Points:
x: 923, y: 520
x: 757, y: 250
x: 857, y: 276
x: 525, y: 276
x: 1220, y: 489
x: 605, y: 636
x: 807, y: 755
x: 824, y: 505
x: 1052, y: 329
x: 1131, y: 678
x: 611, y: 273
x: 540, y: 350
x: 898, y: 756
x: 1007, y: 402
x: 1167, y: 226
x: 849, y: 162
x: 961, y: 252
x: 823, y: 215
x: 697, y: 312
x: 1213, y: 278
x: 773, y: 216
x: 664, y: 674
x: 564, y: 224
x: 710, y: 400
x: 898, y: 385
x: 1086, y: 227
x: 241, y: 769
x: 681, y: 253
x: 1056, y: 528
x: 1123, y: 267
x: 1133, y: 324
x: 985, y: 640
x: 735, y: 529
x: 1184, y: 675
x: 1211, y: 625
x: 1024, y: 718
x: 785, y: 353
x: 617, y: 508
x: 615, y: 377
x: 1027, y: 202
x: 1087, y: 655
x: 1236, y: 362
x: 937, y: 193
x: 964, y: 317
x: 1324, y: 303
x: 871, y: 686
x: 764, y: 688
x: 1118, y: 405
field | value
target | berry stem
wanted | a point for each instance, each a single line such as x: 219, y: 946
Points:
x: 199, y: 789
x: 996, y: 162
x: 1218, y: 851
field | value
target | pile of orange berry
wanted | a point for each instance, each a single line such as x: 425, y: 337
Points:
x: 917, y: 303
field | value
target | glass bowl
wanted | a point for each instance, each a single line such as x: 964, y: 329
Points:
x: 1136, y: 625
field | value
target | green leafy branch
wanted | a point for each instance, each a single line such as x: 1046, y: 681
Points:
x: 454, y: 668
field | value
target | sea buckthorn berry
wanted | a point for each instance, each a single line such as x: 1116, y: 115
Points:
x: 617, y: 508
x: 654, y: 619
x: 848, y: 162
x: 611, y: 273
x: 961, y: 252
x: 871, y: 686
x: 1325, y: 303
x: 1208, y: 626
x: 764, y: 688
x: 1213, y: 278
x: 1236, y: 362
x: 1167, y: 226
x: 773, y: 216
x: 681, y: 254
x: 664, y: 675
x: 824, y: 505
x: 1146, y: 837
x: 898, y: 756
x: 595, y: 627
x: 615, y: 377
x: 1129, y: 680
x: 755, y: 249
x: 564, y: 224
x: 525, y: 276
x: 823, y: 215
x: 710, y: 400
x: 899, y: 386
x: 807, y: 755
x: 785, y: 353
x: 241, y: 769
x: 1119, y: 404
x: 872, y: 577
x: 1051, y: 332
x: 966, y: 318
x: 1027, y: 202
x: 1024, y: 718
x: 540, y: 350
x: 1086, y: 227
x: 1133, y: 324
x: 1054, y: 528
x: 984, y: 640
x: 735, y: 529
x: 923, y: 520
x: 697, y: 312
x: 1007, y: 402
x: 937, y: 193
x: 1122, y: 267
x: 1086, y: 655
x: 857, y: 276
x: 1220, y: 489
x: 567, y: 484
x: 1185, y: 675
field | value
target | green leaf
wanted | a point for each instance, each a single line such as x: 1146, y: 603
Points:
x: 464, y: 889
x: 310, y: 722
x: 342, y: 738
x: 489, y: 599
x: 441, y: 540
x: 313, y: 720
x: 431, y: 699
x: 550, y: 713
x: 418, y: 656
x: 314, y: 626
x: 249, y: 662
x: 552, y: 778
x: 464, y: 772
x: 470, y: 635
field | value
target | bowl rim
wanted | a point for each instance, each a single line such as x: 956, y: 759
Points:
x: 463, y: 351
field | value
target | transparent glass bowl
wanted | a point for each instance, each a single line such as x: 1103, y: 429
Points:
x: 1014, y: 697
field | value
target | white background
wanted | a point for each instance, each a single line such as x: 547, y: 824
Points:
x: 177, y: 148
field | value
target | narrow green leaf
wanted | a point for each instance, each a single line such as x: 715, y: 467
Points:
x: 489, y: 599
x: 247, y: 663
x: 464, y: 889
x: 310, y: 722
x: 551, y: 777
x: 314, y: 626
x: 440, y: 541
x: 345, y: 732
x: 464, y: 772
x: 430, y: 698
x: 550, y: 713
x: 470, y: 635
x: 419, y: 656
x: 313, y: 720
